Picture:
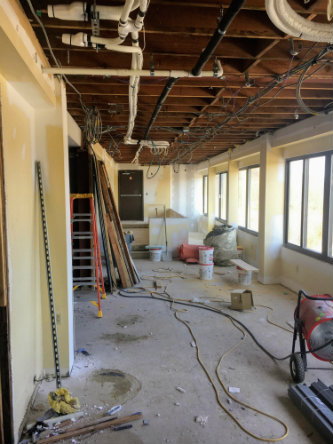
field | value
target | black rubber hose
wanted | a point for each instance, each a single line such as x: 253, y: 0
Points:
x: 205, y: 307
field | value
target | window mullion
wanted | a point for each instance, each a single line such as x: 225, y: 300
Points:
x: 305, y: 191
x: 326, y: 209
x: 248, y: 184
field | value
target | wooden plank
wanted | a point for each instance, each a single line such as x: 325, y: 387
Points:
x: 111, y: 206
x: 114, y: 235
x: 243, y: 265
x: 124, y: 277
x: 119, y: 226
x: 93, y: 427
x: 102, y: 204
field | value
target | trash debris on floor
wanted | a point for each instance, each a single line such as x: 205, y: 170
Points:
x: 61, y: 432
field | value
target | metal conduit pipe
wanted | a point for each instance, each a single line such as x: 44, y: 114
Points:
x: 168, y: 87
x: 218, y: 35
x: 232, y: 11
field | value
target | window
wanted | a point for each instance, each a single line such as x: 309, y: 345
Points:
x: 309, y: 207
x: 222, y: 202
x: 248, y: 198
x: 205, y: 195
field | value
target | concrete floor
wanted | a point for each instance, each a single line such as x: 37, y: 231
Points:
x: 140, y: 354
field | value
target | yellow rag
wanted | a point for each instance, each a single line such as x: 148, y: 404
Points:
x: 63, y: 402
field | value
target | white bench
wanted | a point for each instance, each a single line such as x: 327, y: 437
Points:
x: 243, y: 265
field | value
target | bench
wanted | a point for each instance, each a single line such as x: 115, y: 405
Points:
x: 243, y: 265
x: 244, y: 271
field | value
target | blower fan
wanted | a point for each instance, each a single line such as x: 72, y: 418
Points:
x: 313, y: 324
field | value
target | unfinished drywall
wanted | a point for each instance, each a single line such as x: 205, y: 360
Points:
x: 186, y: 193
x: 177, y: 229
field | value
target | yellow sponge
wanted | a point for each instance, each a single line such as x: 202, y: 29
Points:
x: 61, y: 401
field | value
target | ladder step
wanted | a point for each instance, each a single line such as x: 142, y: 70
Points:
x: 82, y: 232
x: 81, y: 279
x: 81, y: 220
x: 82, y: 237
x: 81, y: 214
x: 77, y: 284
x: 83, y: 267
x: 76, y: 258
x: 82, y: 250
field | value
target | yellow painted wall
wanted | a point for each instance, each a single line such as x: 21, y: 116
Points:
x: 30, y: 135
x: 23, y: 248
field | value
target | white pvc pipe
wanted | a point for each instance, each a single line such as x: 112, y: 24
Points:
x: 127, y: 8
x: 293, y: 24
x: 81, y: 39
x: 114, y: 72
x: 77, y: 11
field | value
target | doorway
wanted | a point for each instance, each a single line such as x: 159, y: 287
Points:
x: 6, y: 429
x: 130, y: 185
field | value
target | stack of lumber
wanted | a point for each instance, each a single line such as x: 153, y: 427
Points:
x: 120, y: 267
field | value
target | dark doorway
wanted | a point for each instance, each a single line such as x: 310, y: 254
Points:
x: 6, y: 429
x: 130, y: 194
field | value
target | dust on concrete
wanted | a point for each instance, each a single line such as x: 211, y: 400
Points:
x: 128, y: 320
x: 122, y: 386
x: 121, y: 337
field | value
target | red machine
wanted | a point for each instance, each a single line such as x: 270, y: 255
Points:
x: 313, y: 324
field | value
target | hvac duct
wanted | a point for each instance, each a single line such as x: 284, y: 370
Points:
x: 291, y: 23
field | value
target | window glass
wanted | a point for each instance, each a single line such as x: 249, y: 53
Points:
x: 253, y: 203
x: 223, y: 196
x: 295, y: 201
x: 315, y: 204
x: 330, y: 220
x: 242, y: 197
x: 205, y: 194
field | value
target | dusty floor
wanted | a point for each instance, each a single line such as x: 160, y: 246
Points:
x: 139, y: 354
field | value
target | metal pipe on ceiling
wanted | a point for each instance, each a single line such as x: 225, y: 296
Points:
x: 218, y: 35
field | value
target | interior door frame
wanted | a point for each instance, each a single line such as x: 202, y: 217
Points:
x: 6, y: 415
x: 142, y: 194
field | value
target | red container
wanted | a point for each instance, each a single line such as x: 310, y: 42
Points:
x: 317, y: 319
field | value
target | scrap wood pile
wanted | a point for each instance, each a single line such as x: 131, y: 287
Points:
x: 61, y: 428
x: 119, y: 264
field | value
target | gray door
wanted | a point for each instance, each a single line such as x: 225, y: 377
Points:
x: 130, y: 194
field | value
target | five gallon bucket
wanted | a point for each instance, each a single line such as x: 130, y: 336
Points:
x: 206, y: 255
x: 206, y: 271
x: 244, y: 277
x: 155, y: 254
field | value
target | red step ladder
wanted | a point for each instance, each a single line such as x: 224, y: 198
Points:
x: 92, y: 235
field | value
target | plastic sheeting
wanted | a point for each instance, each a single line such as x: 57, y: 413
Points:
x: 223, y: 239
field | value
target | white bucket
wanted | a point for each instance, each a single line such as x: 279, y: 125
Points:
x: 155, y: 254
x: 206, y: 271
x: 206, y: 255
x: 244, y: 277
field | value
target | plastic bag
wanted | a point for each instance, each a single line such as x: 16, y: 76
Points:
x: 223, y: 239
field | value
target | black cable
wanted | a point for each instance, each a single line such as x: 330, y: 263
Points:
x: 205, y: 307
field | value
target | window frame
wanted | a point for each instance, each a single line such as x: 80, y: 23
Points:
x: 219, y: 217
x: 247, y: 202
x: 327, y: 230
x: 204, y: 196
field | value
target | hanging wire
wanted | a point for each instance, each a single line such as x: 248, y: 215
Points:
x: 155, y: 152
x: 279, y: 79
